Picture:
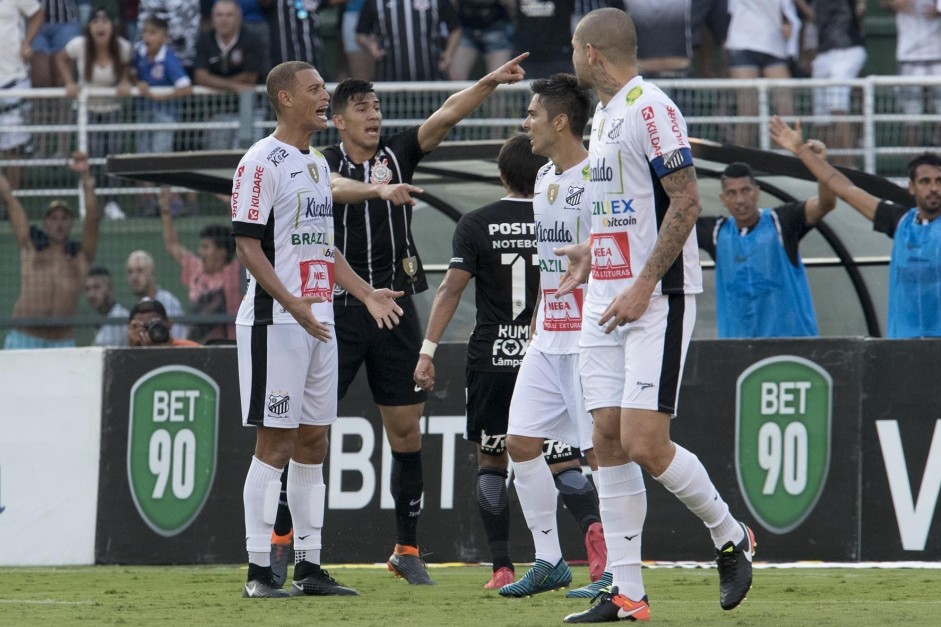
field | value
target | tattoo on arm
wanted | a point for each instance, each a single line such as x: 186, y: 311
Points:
x: 678, y: 222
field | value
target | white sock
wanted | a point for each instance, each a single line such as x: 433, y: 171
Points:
x: 622, y: 499
x: 688, y: 480
x: 306, y: 496
x: 257, y: 531
x: 538, y: 497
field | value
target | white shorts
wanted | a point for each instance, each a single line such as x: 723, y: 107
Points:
x: 836, y: 64
x: 640, y: 365
x: 12, y: 118
x: 548, y: 401
x: 286, y: 377
x: 348, y: 32
x: 910, y: 96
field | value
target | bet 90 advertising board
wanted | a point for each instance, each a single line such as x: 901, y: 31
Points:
x: 827, y: 448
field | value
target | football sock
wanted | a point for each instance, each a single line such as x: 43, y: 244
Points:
x: 495, y: 513
x: 578, y: 496
x: 282, y: 523
x: 623, y: 504
x: 406, y: 487
x: 537, y: 496
x: 306, y: 495
x: 688, y: 480
x: 258, y: 484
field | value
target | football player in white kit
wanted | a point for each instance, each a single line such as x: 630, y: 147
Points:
x: 642, y: 268
x: 547, y: 400
x: 282, y: 221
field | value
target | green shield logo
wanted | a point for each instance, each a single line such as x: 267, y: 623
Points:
x: 782, y: 439
x: 171, y: 446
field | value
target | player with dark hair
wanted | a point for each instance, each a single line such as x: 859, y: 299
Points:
x: 494, y: 245
x: 371, y: 181
x: 548, y: 406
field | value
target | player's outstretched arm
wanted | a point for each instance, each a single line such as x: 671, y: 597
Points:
x: 579, y: 266
x: 458, y: 106
x: 864, y: 202
x: 348, y: 191
x: 253, y: 259
x: 380, y: 303
x: 447, y: 298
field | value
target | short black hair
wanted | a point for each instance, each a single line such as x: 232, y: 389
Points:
x: 925, y: 158
x: 737, y: 170
x: 100, y: 271
x: 221, y: 237
x: 147, y: 306
x: 157, y: 22
x: 561, y: 93
x: 518, y: 165
x: 346, y: 90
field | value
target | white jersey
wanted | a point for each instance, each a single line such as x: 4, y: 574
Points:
x: 918, y: 33
x: 562, y: 211
x: 282, y: 197
x: 638, y: 138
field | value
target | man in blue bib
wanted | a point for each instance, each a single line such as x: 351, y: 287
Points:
x: 915, y: 265
x: 761, y: 285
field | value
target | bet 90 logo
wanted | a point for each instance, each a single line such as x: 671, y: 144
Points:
x: 171, y: 448
x: 782, y: 439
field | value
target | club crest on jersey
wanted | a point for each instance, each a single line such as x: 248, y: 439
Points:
x: 381, y: 174
x: 633, y: 95
x: 314, y: 172
x: 410, y: 265
x: 574, y: 194
x: 421, y: 5
x: 553, y: 193
x: 236, y: 57
x: 616, y: 126
x: 279, y: 404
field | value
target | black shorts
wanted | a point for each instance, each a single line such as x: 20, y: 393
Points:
x: 488, y: 409
x: 390, y: 355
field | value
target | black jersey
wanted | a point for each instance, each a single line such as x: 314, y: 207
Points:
x: 497, y: 244
x: 375, y: 236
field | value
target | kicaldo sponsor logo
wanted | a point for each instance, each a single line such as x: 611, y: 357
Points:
x: 610, y: 256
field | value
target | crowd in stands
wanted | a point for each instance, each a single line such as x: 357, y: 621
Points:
x: 165, y: 47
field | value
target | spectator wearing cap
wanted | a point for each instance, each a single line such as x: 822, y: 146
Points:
x: 149, y: 325
x: 52, y: 267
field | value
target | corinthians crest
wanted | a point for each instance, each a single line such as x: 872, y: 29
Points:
x: 380, y: 174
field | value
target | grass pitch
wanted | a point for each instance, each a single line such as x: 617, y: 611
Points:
x: 211, y: 595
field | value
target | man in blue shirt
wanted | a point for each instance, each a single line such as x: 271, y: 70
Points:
x: 761, y: 285
x: 915, y: 266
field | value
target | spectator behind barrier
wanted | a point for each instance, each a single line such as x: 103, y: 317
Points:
x: 99, y: 292
x: 149, y: 325
x: 142, y: 280
x: 213, y: 278
x: 52, y: 268
x: 226, y: 60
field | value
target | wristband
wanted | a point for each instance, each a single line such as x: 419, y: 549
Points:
x: 428, y: 348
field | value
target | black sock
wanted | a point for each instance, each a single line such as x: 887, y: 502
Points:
x: 406, y: 487
x: 495, y: 514
x: 282, y: 522
x: 579, y: 497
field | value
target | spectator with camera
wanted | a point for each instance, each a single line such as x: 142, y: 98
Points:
x: 149, y: 325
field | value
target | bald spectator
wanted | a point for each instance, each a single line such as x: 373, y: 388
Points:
x: 52, y: 267
x: 142, y: 279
